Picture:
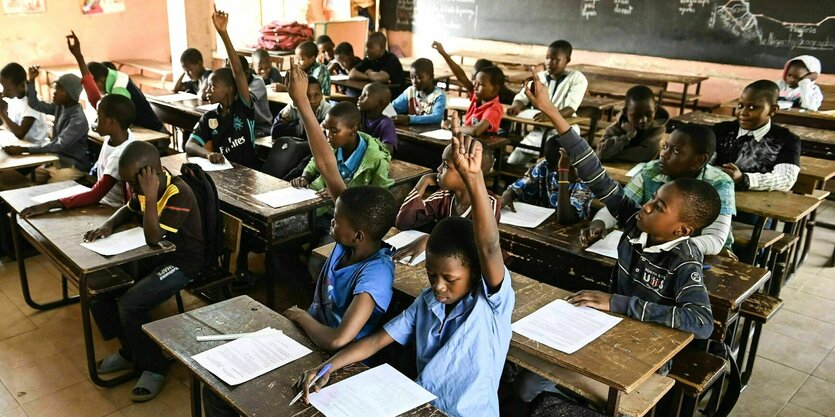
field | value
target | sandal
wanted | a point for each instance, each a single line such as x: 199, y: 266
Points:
x: 114, y: 363
x: 147, y: 387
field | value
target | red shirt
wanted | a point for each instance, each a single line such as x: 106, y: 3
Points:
x: 492, y: 111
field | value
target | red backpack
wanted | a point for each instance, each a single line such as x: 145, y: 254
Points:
x: 283, y: 36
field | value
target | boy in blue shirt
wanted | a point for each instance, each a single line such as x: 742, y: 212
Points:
x: 461, y: 323
x: 422, y: 103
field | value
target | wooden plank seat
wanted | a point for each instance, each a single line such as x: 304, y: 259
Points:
x: 755, y: 312
x: 695, y: 372
x: 761, y: 307
x: 742, y: 235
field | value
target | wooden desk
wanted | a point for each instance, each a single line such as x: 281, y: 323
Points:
x: 458, y: 104
x: 360, y: 84
x: 618, y: 89
x: 496, y: 58
x: 622, y: 358
x: 276, y: 97
x: 236, y: 189
x: 183, y: 114
x: 277, y: 57
x: 161, y: 69
x: 819, y: 143
x: 795, y: 116
x: 8, y: 162
x: 58, y: 237
x: 138, y: 133
x: 266, y: 395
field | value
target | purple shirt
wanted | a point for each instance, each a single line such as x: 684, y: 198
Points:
x: 381, y: 128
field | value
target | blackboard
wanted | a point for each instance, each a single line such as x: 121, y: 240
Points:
x: 762, y: 33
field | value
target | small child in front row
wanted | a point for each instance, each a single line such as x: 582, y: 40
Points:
x: 545, y: 185
x: 289, y: 122
x: 460, y: 325
x: 636, y: 132
x: 354, y: 289
x: 115, y: 115
x: 506, y: 95
x: 372, y: 102
x: 15, y: 114
x: 756, y: 153
x: 422, y: 103
x: 798, y: 83
x: 198, y: 76
x: 659, y: 276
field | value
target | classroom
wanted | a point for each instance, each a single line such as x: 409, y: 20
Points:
x: 466, y: 208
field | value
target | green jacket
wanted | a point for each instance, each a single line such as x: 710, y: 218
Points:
x: 117, y: 83
x: 373, y: 169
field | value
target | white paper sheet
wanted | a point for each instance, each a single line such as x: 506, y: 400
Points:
x: 286, y: 196
x: 170, y: 98
x: 207, y: 107
x: 63, y: 193
x: 208, y: 166
x: 458, y: 102
x: 608, y: 246
x: 441, y: 134
x: 527, y: 215
x: 377, y: 392
x: 249, y: 357
x: 565, y: 327
x: 389, y: 111
x: 636, y: 169
x: 528, y: 114
x: 118, y: 242
x: 404, y: 238
x: 339, y: 77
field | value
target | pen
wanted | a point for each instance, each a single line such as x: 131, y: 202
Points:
x: 320, y: 374
x: 705, y: 267
x: 215, y: 337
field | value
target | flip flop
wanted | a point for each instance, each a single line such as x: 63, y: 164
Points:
x: 114, y: 363
x: 147, y: 387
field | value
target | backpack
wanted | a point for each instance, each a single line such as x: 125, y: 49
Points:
x: 287, y: 158
x: 205, y: 193
x: 284, y: 36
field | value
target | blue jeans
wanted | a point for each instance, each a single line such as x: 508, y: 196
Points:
x: 123, y: 316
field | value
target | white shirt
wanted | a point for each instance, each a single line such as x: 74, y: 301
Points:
x: 18, y: 110
x: 108, y: 164
x: 758, y: 133
x: 568, y: 93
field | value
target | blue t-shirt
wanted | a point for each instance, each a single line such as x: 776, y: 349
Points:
x: 373, y: 275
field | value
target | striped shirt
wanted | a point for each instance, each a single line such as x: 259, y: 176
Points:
x: 419, y: 213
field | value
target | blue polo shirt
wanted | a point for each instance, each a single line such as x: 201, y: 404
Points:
x: 347, y: 168
x: 460, y: 356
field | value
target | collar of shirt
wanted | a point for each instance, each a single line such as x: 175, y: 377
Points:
x: 663, y: 178
x: 644, y: 237
x: 756, y: 133
x: 439, y: 309
x: 353, y: 161
x: 466, y: 212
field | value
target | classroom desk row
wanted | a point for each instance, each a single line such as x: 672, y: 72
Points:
x: 9, y: 162
x: 623, y: 359
x: 795, y: 116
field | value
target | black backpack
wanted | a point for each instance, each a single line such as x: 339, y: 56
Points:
x: 205, y: 193
x: 287, y: 158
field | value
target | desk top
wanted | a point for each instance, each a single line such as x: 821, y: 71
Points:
x: 141, y: 134
x: 8, y: 162
x: 805, y: 133
x: 185, y: 106
x: 817, y: 168
x: 653, y: 76
x: 161, y: 68
x: 268, y: 394
x: 458, y: 105
x: 412, y: 133
x: 278, y: 97
x: 616, y: 88
x: 496, y: 58
x: 65, y: 230
x: 796, y: 116
x: 600, y: 103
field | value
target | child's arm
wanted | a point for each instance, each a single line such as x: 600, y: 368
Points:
x: 178, y: 86
x: 781, y: 178
x: 455, y: 68
x: 466, y: 153
x: 811, y: 96
x: 120, y: 217
x: 566, y: 214
x: 32, y: 93
x: 19, y: 130
x: 90, y: 87
x: 99, y: 190
x: 476, y: 130
x: 434, y: 118
x: 74, y: 133
x: 416, y: 212
x: 330, y: 338
x: 322, y: 153
x: 149, y: 183
x: 221, y: 21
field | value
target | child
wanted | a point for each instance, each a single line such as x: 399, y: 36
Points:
x: 685, y: 155
x: 325, y: 45
x: 69, y: 133
x: 506, y: 95
x: 15, y: 113
x: 229, y: 130
x: 452, y: 200
x: 374, y: 99
x: 354, y: 289
x: 422, y: 103
x: 344, y: 59
x: 98, y: 79
x: 636, y: 133
x: 758, y: 155
x: 289, y: 123
x: 545, y: 185
x: 798, y: 83
x: 565, y: 87
x: 659, y: 276
x: 115, y: 115
x: 306, y: 54
x: 263, y: 116
x: 379, y: 64
x: 263, y: 66
x: 198, y: 76
x: 175, y: 218
x: 461, y: 325
x: 485, y: 112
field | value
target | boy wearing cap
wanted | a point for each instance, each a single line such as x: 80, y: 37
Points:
x: 69, y: 134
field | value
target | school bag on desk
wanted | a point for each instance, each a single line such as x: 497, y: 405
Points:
x: 283, y: 36
x: 287, y: 158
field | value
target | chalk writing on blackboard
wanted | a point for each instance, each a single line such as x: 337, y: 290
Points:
x: 689, y: 6
x: 623, y: 7
x: 454, y: 16
x: 735, y: 17
x: 588, y: 9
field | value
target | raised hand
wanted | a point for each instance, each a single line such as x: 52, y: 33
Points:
x: 539, y: 96
x: 73, y: 44
x: 438, y: 47
x: 34, y: 71
x: 455, y: 124
x: 220, y: 20
x: 466, y: 155
x: 296, y: 83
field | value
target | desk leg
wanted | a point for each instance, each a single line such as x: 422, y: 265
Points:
x: 196, y: 401
x: 751, y: 252
x: 24, y: 279
x: 613, y: 402
x: 683, y: 98
x: 698, y: 91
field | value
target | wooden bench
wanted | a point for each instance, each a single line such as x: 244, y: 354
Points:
x: 695, y: 372
x: 742, y: 236
x: 778, y: 262
x: 757, y: 310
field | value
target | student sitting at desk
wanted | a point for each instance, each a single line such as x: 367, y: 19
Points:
x: 636, y: 132
x: 506, y: 95
x: 379, y: 64
x: 69, y: 133
x: 461, y: 324
x: 115, y: 115
x: 325, y: 45
x: 229, y: 130
x: 198, y: 76
x: 306, y: 54
x: 565, y: 87
x: 545, y: 185
x: 685, y: 155
x: 372, y: 102
x: 98, y: 79
x: 258, y: 90
x: 659, y: 275
x: 289, y: 122
x: 344, y: 59
x: 757, y: 154
x: 263, y: 66
x: 354, y: 289
x: 422, y: 103
x: 798, y: 84
x: 485, y: 112
x: 15, y: 114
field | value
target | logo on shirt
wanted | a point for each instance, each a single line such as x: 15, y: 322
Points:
x: 237, y: 123
x: 233, y: 143
x: 653, y: 279
x: 696, y: 277
x: 213, y: 124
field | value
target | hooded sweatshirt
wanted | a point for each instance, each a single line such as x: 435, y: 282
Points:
x: 807, y: 94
